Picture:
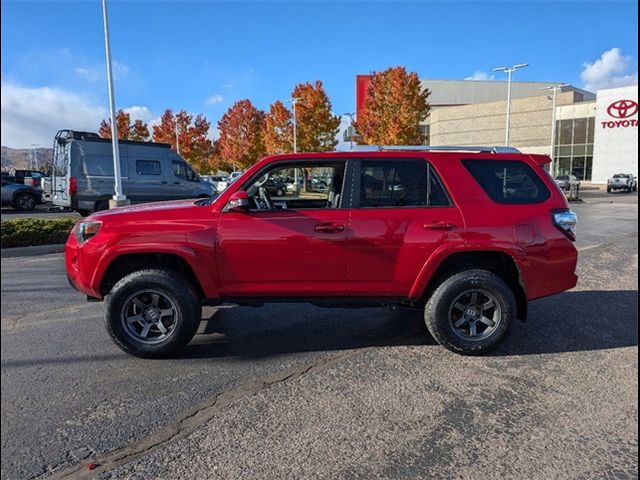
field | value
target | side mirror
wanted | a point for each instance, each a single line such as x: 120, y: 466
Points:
x: 238, y: 202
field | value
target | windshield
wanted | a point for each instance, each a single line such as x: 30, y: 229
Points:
x: 563, y: 177
x: 621, y: 175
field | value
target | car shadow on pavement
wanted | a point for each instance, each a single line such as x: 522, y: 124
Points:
x: 576, y: 321
x: 572, y: 321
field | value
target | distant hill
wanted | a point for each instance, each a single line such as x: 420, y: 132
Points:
x: 18, y: 158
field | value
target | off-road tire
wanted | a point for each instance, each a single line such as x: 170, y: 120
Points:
x: 438, y: 307
x: 169, y: 283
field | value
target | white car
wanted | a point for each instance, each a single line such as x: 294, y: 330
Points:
x: 622, y: 181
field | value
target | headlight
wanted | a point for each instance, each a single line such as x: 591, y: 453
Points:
x: 87, y: 230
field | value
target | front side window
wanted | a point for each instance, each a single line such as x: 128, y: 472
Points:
x: 147, y: 167
x: 508, y: 181
x: 400, y: 183
x: 309, y: 185
x: 179, y: 169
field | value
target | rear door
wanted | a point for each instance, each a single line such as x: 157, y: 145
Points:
x: 400, y: 215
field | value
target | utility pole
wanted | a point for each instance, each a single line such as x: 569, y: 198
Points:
x: 509, y: 71
x: 118, y: 199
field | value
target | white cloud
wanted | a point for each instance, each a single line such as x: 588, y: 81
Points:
x: 479, y: 75
x: 89, y: 74
x: 120, y: 69
x: 611, y: 70
x: 214, y: 99
x: 34, y: 115
x: 137, y: 112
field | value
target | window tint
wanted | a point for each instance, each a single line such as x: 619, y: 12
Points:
x: 400, y: 183
x: 147, y: 167
x: 101, y: 165
x: 178, y: 169
x: 508, y: 181
x: 191, y: 175
x: 297, y: 187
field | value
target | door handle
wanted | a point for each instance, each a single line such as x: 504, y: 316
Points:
x: 176, y: 183
x: 164, y: 182
x: 438, y: 226
x: 329, y: 227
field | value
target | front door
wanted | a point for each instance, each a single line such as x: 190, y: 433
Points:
x: 291, y: 245
x: 401, y: 214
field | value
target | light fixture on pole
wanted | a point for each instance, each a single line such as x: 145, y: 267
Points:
x: 350, y: 115
x: 509, y: 71
x: 555, y: 89
x: 119, y: 198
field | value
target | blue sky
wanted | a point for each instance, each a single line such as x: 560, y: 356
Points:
x: 202, y: 56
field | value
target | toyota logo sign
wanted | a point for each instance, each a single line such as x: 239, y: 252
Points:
x: 623, y: 109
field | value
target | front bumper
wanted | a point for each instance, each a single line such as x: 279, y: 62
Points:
x: 80, y: 265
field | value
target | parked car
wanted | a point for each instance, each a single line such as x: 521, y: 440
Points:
x: 622, y: 181
x: 565, y: 182
x: 219, y: 182
x: 234, y: 176
x: 83, y: 176
x: 18, y: 176
x: 20, y: 197
x: 430, y: 245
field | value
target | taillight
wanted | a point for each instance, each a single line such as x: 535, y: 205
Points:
x: 73, y: 186
x: 565, y: 220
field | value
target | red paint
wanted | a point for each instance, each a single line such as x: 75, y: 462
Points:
x: 362, y: 87
x: 379, y: 252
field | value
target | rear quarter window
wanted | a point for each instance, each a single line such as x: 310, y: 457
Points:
x: 508, y: 181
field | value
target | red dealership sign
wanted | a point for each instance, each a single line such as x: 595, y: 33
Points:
x: 622, y: 110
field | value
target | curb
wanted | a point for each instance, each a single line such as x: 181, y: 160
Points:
x: 31, y: 251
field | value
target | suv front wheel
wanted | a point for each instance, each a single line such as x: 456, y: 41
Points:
x: 152, y: 313
x: 470, y: 312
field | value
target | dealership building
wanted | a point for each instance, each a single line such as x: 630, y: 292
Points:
x: 596, y: 134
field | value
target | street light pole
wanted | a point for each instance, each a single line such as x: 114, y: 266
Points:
x: 119, y: 198
x: 509, y: 71
x: 34, y: 150
x: 177, y: 137
x: 555, y: 89
x: 293, y: 101
x: 350, y: 115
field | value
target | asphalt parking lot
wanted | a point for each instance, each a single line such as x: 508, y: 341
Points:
x: 295, y: 391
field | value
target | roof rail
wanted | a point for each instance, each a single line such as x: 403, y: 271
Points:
x: 433, y: 148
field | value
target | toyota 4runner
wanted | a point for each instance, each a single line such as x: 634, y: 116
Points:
x: 469, y: 236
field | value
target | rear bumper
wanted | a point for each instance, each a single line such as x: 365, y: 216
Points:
x: 552, y: 269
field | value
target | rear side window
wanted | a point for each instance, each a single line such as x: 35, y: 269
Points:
x: 147, y: 167
x: 400, y: 183
x: 509, y: 182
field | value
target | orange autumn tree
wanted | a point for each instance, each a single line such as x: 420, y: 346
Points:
x: 393, y: 109
x: 240, y: 144
x: 188, y: 136
x: 316, y: 126
x: 139, y: 131
x: 126, y: 131
x: 277, y: 131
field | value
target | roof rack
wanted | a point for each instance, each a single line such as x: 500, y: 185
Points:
x: 433, y: 148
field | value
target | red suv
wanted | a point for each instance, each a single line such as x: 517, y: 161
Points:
x: 468, y: 236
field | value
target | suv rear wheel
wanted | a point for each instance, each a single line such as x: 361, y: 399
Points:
x: 470, y: 312
x: 152, y: 313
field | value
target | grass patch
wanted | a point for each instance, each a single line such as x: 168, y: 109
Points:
x: 24, y: 232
